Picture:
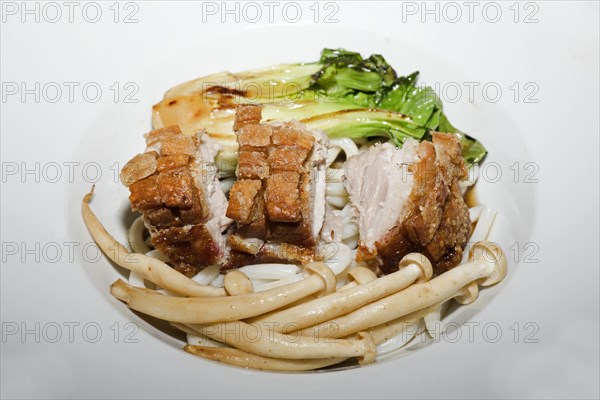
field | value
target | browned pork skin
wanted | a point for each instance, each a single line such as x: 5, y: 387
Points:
x: 171, y: 186
x: 275, y: 201
x: 408, y: 200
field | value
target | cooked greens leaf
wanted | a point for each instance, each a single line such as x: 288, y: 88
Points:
x: 363, y: 123
x: 343, y: 93
x: 472, y: 150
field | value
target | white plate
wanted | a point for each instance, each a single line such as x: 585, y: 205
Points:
x: 149, y: 363
x: 514, y: 203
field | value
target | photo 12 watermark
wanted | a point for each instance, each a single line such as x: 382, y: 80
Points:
x: 70, y: 332
x: 253, y: 12
x: 53, y: 12
x: 526, y: 92
x: 69, y: 92
x: 453, y: 12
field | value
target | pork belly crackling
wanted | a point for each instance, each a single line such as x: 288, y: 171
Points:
x: 408, y: 200
x: 275, y: 209
x: 180, y: 198
x: 278, y: 200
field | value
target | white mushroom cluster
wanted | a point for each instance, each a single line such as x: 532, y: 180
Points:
x: 309, y: 323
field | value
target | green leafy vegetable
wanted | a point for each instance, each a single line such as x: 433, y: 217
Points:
x: 343, y: 94
x: 365, y: 123
x: 372, y: 83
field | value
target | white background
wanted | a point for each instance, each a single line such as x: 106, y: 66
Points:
x: 558, y: 294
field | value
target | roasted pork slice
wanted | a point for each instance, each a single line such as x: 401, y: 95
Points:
x: 175, y: 187
x: 407, y: 200
x: 278, y: 201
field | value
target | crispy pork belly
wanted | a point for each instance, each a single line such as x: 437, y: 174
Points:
x: 278, y: 201
x: 408, y: 200
x: 175, y: 187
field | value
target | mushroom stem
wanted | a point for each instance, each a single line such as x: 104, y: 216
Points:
x: 430, y: 315
x: 196, y: 339
x: 210, y: 310
x: 253, y: 339
x: 433, y: 320
x: 358, y: 276
x: 413, y: 267
x: 468, y: 294
x: 150, y: 268
x: 380, y: 334
x: 237, y: 283
x: 487, y: 267
x: 242, y: 358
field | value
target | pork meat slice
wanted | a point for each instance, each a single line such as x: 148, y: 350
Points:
x: 278, y: 201
x: 174, y: 185
x: 408, y: 199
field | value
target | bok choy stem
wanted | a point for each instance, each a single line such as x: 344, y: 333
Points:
x: 343, y: 94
